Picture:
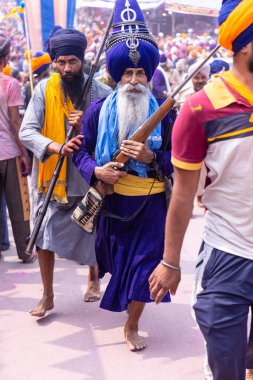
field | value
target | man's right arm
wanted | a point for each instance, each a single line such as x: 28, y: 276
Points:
x: 165, y: 279
x: 30, y: 131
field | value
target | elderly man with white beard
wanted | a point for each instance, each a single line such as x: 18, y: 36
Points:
x: 130, y: 232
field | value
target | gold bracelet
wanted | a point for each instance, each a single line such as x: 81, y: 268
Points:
x: 169, y: 265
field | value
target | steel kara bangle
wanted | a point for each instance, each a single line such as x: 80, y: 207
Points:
x: 60, y: 151
x: 169, y: 265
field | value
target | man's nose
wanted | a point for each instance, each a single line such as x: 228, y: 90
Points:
x: 133, y: 79
x: 67, y: 68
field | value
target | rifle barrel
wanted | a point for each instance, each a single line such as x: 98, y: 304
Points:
x: 146, y: 128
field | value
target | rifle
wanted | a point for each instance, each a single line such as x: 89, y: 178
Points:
x: 88, y: 209
x: 80, y: 105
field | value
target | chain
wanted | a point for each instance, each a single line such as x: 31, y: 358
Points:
x: 65, y: 97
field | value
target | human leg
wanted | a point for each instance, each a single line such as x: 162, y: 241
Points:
x: 221, y: 312
x: 93, y: 287
x: 134, y: 341
x: 5, y: 235
x: 46, y: 262
x: 249, y: 356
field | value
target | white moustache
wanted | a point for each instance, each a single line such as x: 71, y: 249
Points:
x: 137, y: 88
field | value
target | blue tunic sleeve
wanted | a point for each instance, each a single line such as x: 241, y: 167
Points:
x: 84, y: 158
x: 167, y: 122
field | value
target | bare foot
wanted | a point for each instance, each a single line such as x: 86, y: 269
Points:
x: 93, y: 291
x: 134, y: 341
x: 249, y: 374
x: 45, y: 304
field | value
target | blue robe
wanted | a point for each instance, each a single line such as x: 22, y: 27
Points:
x: 131, y: 250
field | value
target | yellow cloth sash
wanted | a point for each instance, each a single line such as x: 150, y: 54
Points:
x: 133, y: 186
x: 238, y: 20
x: 54, y: 129
x: 224, y: 98
x: 238, y: 86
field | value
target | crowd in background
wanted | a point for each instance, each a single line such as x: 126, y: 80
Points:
x: 181, y: 50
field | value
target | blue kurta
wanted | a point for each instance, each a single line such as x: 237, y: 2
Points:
x: 130, y: 250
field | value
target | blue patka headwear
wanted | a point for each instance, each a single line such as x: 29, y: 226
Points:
x: 130, y: 44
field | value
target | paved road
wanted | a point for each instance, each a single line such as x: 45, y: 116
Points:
x: 79, y: 341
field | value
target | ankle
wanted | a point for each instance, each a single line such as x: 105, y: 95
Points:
x: 48, y: 294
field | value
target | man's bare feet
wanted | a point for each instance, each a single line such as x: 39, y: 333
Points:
x: 134, y: 341
x: 93, y: 291
x: 45, y: 304
x: 249, y: 374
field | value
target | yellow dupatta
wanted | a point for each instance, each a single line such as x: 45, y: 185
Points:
x: 54, y: 129
x: 229, y: 77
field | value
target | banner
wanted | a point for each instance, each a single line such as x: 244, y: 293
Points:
x: 196, y: 7
x: 144, y: 4
x: 207, y: 7
x: 42, y: 15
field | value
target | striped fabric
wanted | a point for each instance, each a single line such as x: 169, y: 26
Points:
x: 42, y: 15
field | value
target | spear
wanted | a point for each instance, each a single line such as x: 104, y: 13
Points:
x: 80, y: 106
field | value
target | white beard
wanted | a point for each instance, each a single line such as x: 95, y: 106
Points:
x: 132, y: 109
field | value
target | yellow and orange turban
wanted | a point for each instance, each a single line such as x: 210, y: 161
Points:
x: 7, y: 70
x: 236, y: 24
x: 40, y: 62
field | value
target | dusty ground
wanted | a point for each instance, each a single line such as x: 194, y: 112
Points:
x: 79, y: 341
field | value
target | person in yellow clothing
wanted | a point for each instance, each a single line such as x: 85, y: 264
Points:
x: 48, y: 117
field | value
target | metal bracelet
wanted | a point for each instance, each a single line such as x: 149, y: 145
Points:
x: 60, y: 151
x: 169, y: 265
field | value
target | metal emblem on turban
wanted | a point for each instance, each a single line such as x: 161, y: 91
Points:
x: 132, y: 43
x: 128, y: 15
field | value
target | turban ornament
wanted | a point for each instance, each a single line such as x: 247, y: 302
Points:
x: 130, y: 44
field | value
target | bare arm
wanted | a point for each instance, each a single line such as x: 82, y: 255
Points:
x: 15, y: 124
x: 165, y: 279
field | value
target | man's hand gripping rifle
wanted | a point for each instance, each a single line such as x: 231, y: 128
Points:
x: 85, y: 215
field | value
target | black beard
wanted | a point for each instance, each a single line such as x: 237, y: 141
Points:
x: 72, y: 85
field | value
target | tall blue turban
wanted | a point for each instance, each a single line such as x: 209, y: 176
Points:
x: 67, y: 42
x: 236, y: 24
x: 130, y: 44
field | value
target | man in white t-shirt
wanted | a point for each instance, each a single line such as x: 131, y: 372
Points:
x: 215, y: 125
x: 14, y: 161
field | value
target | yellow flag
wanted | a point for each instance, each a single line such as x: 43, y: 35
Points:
x: 14, y: 13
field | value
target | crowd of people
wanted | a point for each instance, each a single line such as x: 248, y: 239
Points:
x: 140, y: 225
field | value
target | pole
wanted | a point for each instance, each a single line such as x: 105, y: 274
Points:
x: 43, y: 209
x: 28, y: 45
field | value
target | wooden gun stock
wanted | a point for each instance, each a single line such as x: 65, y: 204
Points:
x: 145, y: 129
x: 140, y: 135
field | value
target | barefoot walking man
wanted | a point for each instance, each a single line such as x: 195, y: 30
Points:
x: 48, y: 117
x: 128, y: 250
